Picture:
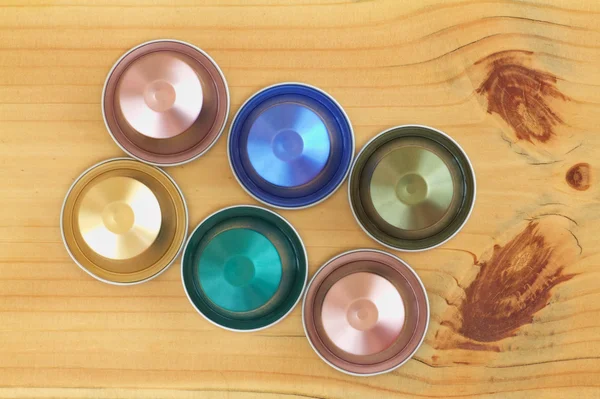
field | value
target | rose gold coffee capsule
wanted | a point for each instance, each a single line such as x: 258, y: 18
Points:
x: 365, y: 312
x: 165, y: 102
x: 124, y: 222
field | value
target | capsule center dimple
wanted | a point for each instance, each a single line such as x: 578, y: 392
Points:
x: 362, y: 314
x: 411, y: 189
x: 160, y: 95
x: 118, y: 217
x: 239, y: 270
x: 288, y: 145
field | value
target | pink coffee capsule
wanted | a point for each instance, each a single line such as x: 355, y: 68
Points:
x: 365, y: 312
x: 165, y: 102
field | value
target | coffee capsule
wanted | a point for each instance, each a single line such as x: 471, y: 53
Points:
x: 365, y: 312
x: 244, y: 268
x: 412, y: 188
x: 291, y: 145
x: 124, y: 222
x: 165, y: 102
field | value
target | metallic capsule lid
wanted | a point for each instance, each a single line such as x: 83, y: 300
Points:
x: 365, y: 312
x: 123, y: 221
x: 291, y: 145
x: 244, y: 268
x: 412, y: 188
x: 165, y: 102
x: 362, y: 313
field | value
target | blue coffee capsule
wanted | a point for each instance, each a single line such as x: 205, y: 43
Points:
x: 291, y: 145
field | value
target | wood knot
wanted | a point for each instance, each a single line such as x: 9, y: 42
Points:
x: 578, y: 176
x: 515, y: 282
x: 519, y: 94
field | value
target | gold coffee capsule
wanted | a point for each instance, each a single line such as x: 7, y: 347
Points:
x: 124, y: 222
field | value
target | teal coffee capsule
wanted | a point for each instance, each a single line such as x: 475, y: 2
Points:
x: 244, y: 268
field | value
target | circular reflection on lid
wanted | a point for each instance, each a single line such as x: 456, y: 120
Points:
x: 160, y: 95
x: 240, y: 270
x: 365, y: 312
x: 165, y: 102
x: 291, y: 145
x: 288, y: 144
x: 124, y: 222
x: 119, y: 218
x: 412, y: 188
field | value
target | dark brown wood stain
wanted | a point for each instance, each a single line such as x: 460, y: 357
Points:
x: 477, y: 346
x: 519, y: 94
x: 511, y: 286
x: 578, y: 176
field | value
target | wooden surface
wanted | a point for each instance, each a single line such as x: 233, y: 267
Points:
x: 515, y: 297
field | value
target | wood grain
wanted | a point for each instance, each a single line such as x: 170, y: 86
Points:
x: 514, y: 297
